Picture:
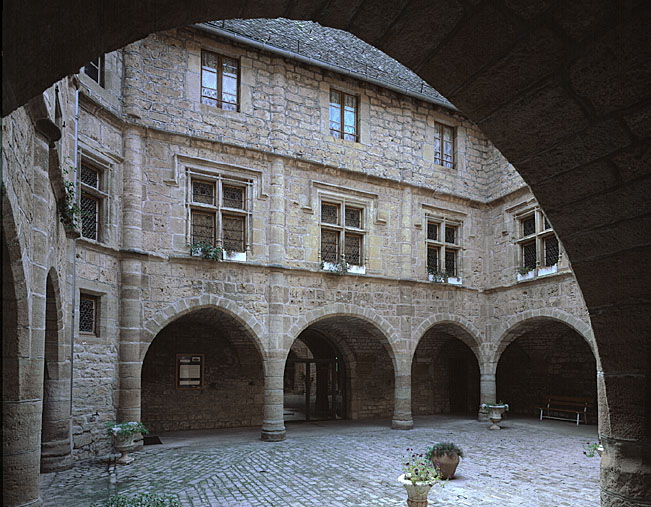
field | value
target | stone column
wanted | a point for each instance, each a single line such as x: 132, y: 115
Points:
x: 131, y: 278
x: 487, y: 389
x: 273, y: 425
x: 402, y: 419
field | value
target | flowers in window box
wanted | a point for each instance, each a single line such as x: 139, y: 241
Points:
x: 125, y: 429
x: 206, y: 250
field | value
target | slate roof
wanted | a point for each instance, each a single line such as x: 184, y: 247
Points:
x: 331, y: 46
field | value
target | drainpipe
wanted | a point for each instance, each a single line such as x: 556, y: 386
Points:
x: 317, y: 63
x: 74, y: 256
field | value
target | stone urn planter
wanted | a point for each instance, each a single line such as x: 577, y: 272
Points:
x: 416, y: 491
x: 495, y: 414
x: 124, y: 444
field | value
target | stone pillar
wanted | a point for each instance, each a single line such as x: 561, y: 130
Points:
x: 487, y: 389
x: 131, y: 278
x: 273, y: 425
x: 407, y: 225
x: 402, y: 419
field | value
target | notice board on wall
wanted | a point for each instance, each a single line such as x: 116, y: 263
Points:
x: 189, y: 371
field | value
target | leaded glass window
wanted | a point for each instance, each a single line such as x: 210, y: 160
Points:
x: 233, y: 197
x: 89, y: 216
x: 219, y: 81
x: 233, y: 233
x: 95, y: 70
x: 529, y: 225
x: 529, y: 255
x: 343, y: 115
x: 444, y: 145
x: 450, y: 234
x: 353, y: 217
x: 203, y: 228
x: 432, y: 259
x: 353, y: 253
x: 329, y: 245
x: 451, y: 262
x: 87, y: 313
x: 89, y: 176
x: 203, y: 192
x: 551, y: 250
x: 433, y: 231
x: 329, y: 213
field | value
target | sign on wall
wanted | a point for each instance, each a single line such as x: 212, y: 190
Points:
x: 189, y: 371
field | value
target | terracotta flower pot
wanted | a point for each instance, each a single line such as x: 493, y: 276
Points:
x: 447, y: 464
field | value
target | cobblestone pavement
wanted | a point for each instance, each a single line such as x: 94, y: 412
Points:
x: 348, y: 463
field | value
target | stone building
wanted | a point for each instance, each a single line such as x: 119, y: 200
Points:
x: 226, y: 244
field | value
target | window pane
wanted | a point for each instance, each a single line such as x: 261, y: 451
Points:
x: 353, y: 251
x: 451, y: 262
x: 87, y: 314
x: 432, y: 259
x: 546, y: 223
x: 451, y: 235
x: 89, y: 176
x: 203, y: 192
x: 208, y: 101
x: 329, y: 246
x: 350, y: 137
x: 350, y: 102
x: 353, y: 217
x: 89, y: 216
x: 233, y: 233
x: 229, y: 86
x: 229, y: 66
x: 209, y: 79
x: 437, y: 151
x: 529, y: 255
x: 447, y: 135
x: 528, y: 226
x: 209, y: 92
x: 209, y: 60
x: 92, y: 69
x: 335, y: 97
x: 229, y: 107
x: 551, y: 251
x: 349, y: 118
x: 233, y: 197
x: 432, y: 231
x: 203, y: 228
x: 329, y: 213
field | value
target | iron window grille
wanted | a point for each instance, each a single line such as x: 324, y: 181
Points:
x: 95, y: 70
x: 88, y: 314
x: 344, y: 116
x: 91, y: 200
x: 443, y: 247
x: 444, y: 139
x: 342, y: 233
x: 219, y: 210
x: 220, y: 81
x: 539, y: 246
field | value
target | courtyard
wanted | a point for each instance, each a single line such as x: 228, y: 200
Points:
x: 347, y: 463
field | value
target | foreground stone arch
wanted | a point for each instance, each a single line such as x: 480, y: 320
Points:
x: 468, y: 333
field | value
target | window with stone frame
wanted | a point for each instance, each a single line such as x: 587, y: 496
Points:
x: 443, y: 247
x: 343, y: 115
x: 91, y: 200
x: 342, y: 233
x: 219, y: 214
x: 444, y: 136
x: 88, y: 314
x: 95, y: 70
x: 539, y: 246
x: 220, y: 81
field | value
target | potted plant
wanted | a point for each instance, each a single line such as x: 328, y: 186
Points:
x: 418, y: 477
x: 592, y: 448
x: 495, y: 411
x: 446, y: 456
x: 123, y: 434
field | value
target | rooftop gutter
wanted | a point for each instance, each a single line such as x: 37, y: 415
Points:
x: 318, y: 63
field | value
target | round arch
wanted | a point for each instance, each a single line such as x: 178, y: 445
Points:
x: 186, y: 306
x: 368, y: 315
x: 513, y: 328
x: 468, y: 334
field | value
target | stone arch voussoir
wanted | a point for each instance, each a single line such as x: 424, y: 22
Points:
x: 188, y: 305
x: 469, y: 330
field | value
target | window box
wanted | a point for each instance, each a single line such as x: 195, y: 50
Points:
x: 356, y: 270
x: 527, y: 276
x: 234, y: 256
x: 548, y: 270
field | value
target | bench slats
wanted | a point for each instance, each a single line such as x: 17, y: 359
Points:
x: 565, y: 404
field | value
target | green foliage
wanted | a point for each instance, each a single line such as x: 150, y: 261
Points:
x: 141, y: 500
x: 338, y: 268
x: 591, y: 448
x: 69, y: 210
x: 447, y: 448
x: 438, y: 276
x: 523, y: 270
x: 206, y: 250
x: 419, y: 468
x: 125, y: 428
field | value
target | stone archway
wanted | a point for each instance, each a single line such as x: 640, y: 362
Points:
x: 203, y: 370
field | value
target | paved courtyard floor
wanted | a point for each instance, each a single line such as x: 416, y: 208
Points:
x: 347, y: 463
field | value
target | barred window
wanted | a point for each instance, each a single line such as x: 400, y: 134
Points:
x: 538, y: 244
x: 444, y: 145
x: 220, y: 81
x: 91, y: 201
x: 443, y: 247
x: 343, y: 115
x: 87, y: 314
x: 218, y: 212
x: 342, y: 241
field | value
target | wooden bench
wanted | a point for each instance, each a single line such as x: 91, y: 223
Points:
x: 560, y: 407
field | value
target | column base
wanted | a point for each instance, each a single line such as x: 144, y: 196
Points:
x: 56, y: 463
x: 402, y: 425
x: 273, y: 435
x: 482, y: 416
